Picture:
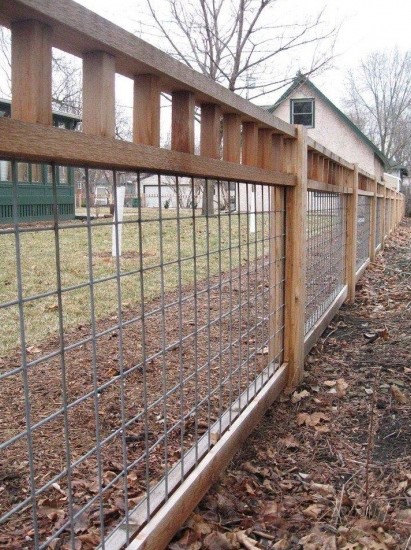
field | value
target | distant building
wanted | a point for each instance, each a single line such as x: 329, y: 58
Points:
x: 303, y: 103
x: 35, y: 193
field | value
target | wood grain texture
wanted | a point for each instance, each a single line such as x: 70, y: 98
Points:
x: 295, y: 271
x: 182, y: 122
x: 231, y: 137
x: 99, y: 70
x: 315, y: 146
x: 31, y: 72
x: 250, y: 144
x: 146, y: 110
x: 34, y: 142
x: 313, y: 185
x: 78, y: 30
x: 265, y: 148
x: 210, y: 138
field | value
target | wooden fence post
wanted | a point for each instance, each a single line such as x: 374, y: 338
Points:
x: 182, y: 121
x: 295, y: 261
x: 232, y: 137
x: 250, y: 144
x: 373, y: 221
x: 99, y: 71
x: 31, y: 72
x: 351, y: 237
x: 146, y: 110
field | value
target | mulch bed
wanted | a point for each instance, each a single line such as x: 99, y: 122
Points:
x: 172, y: 360
x: 330, y: 465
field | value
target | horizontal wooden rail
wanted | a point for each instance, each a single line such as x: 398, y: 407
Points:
x: 32, y: 142
x: 315, y: 146
x: 77, y: 30
x: 313, y: 185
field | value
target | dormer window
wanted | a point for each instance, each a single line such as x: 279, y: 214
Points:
x: 302, y: 112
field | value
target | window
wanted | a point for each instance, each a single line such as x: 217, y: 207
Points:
x: 302, y: 112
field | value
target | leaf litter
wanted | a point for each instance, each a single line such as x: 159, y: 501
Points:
x: 317, y: 473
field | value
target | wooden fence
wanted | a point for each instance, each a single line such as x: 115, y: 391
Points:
x: 318, y: 223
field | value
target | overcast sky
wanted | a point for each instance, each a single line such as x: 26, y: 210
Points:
x: 367, y: 25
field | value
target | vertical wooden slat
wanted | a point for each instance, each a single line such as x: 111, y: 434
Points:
x: 373, y: 221
x: 265, y: 148
x: 182, y: 121
x: 99, y: 70
x: 231, y: 137
x: 250, y: 144
x: 295, y: 279
x: 146, y: 110
x: 315, y: 167
x: 210, y: 146
x: 31, y: 72
x: 351, y: 236
x: 210, y: 130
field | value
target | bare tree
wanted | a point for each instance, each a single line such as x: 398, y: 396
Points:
x: 379, y: 102
x: 235, y: 42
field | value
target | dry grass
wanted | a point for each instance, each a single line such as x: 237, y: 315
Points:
x: 39, y: 274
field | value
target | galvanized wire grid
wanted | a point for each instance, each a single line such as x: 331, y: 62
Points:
x: 325, y: 253
x: 363, y: 230
x: 378, y: 222
x: 118, y: 374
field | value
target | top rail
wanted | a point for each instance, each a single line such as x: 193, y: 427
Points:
x: 77, y: 30
x: 256, y: 145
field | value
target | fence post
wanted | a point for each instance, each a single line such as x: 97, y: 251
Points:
x: 182, y: 121
x: 373, y: 221
x: 351, y: 237
x: 99, y: 71
x: 146, y: 110
x: 295, y: 260
x: 31, y: 72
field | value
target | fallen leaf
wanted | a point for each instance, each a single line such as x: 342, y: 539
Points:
x: 33, y: 349
x: 317, y: 540
x: 398, y: 395
x: 313, y: 511
x: 323, y: 489
x: 216, y: 541
x: 341, y: 387
x: 290, y: 442
x: 297, y: 396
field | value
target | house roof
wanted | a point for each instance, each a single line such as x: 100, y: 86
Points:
x: 5, y: 106
x: 301, y: 80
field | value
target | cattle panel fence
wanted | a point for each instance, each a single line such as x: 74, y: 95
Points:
x: 140, y: 344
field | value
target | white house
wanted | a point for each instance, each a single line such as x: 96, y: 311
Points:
x: 303, y: 103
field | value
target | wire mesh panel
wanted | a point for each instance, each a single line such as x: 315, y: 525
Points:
x: 378, y: 222
x: 363, y: 230
x: 325, y: 253
x: 129, y: 346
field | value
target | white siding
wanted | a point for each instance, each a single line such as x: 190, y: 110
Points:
x: 331, y: 131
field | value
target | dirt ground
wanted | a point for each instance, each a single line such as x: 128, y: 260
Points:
x: 330, y: 465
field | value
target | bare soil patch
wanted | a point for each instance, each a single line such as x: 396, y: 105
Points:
x: 330, y: 465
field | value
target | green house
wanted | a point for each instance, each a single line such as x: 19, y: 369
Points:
x: 35, y: 193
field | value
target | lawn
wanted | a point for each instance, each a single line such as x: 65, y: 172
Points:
x: 161, y: 243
